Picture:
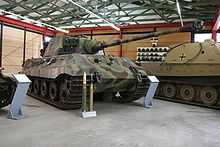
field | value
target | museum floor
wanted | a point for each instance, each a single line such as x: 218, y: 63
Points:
x: 116, y: 125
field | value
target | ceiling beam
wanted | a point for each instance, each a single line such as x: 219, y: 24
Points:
x: 19, y: 23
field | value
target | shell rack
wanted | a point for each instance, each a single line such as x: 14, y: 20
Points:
x: 152, y: 54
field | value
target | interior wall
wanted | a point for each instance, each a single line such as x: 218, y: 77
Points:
x: 13, y: 48
x: 129, y: 49
x: 108, y: 39
x: 34, y: 42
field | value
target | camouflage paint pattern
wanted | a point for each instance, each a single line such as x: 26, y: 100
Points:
x: 116, y: 73
x: 91, y: 46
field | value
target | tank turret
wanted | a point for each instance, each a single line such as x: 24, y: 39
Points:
x: 62, y: 44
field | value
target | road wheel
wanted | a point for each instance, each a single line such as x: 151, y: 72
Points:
x: 43, y: 88
x: 53, y: 91
x: 36, y: 87
x: 6, y: 96
x: 30, y: 89
x: 187, y: 92
x: 157, y: 93
x: 169, y: 90
x: 63, y: 93
x: 209, y: 95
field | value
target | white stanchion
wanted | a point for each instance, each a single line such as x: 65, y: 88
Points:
x: 15, y: 111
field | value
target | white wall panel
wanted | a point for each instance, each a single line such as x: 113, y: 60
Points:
x: 13, y: 46
x: 12, y: 52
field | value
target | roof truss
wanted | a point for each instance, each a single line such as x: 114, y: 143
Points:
x: 120, y: 12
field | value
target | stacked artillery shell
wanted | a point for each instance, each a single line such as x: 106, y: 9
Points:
x: 151, y: 54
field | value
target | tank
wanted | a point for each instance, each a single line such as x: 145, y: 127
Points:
x: 188, y: 73
x: 7, y: 89
x: 57, y: 76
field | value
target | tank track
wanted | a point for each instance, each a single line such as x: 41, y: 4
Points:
x: 141, y: 90
x: 190, y: 90
x: 7, y: 94
x: 72, y: 97
x: 5, y: 101
x: 68, y: 93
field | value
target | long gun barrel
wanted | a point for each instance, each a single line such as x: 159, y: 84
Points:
x: 190, y: 27
x: 68, y: 45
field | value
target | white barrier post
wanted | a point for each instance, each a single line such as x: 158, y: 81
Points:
x: 18, y: 100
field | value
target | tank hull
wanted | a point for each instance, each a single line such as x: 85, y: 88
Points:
x: 192, y: 69
x: 7, y: 89
x: 58, y: 80
x: 196, y: 84
x: 188, y: 72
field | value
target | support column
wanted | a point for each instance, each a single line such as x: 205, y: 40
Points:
x: 214, y: 35
x: 192, y: 36
x: 120, y: 37
x: 215, y: 25
x: 24, y: 49
x: 43, y: 38
x: 1, y: 43
x: 91, y: 36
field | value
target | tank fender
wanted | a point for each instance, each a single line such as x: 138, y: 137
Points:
x: 136, y: 73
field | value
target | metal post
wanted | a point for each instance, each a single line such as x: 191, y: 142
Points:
x: 43, y: 38
x: 151, y: 91
x: 23, y: 82
x: 91, y: 94
x: 24, y: 49
x: 1, y: 43
x: 120, y: 36
x: 192, y: 36
x: 214, y: 35
x: 91, y: 36
x: 215, y: 25
x: 90, y: 112
x: 84, y: 93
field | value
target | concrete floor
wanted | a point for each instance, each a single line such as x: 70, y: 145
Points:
x: 117, y: 125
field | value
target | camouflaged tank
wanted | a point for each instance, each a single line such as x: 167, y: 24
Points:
x: 57, y: 76
x: 189, y: 73
x: 7, y: 89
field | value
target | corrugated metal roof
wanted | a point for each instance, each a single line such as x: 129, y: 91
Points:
x: 62, y: 13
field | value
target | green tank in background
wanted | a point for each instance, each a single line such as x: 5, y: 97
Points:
x: 7, y: 89
x: 57, y: 76
x: 188, y: 73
